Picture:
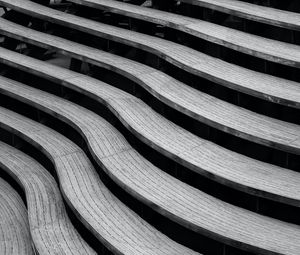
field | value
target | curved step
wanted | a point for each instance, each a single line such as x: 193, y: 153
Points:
x: 186, y: 205
x: 227, y: 117
x: 258, y: 13
x: 116, y: 226
x: 201, y: 156
x: 15, y: 236
x: 272, y: 50
x: 257, y: 84
x: 51, y: 230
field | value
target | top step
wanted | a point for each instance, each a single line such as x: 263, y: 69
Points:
x: 257, y: 46
x: 266, y: 87
x: 258, y: 13
x: 229, y: 168
x: 234, y: 120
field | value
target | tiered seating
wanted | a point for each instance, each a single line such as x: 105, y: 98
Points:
x: 226, y: 117
x: 129, y: 176
x: 120, y: 229
x: 267, y: 15
x: 51, y: 230
x: 190, y: 207
x: 272, y: 50
x: 15, y: 236
x: 257, y: 84
x: 227, y: 167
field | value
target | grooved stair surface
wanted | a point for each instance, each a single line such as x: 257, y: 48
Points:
x: 123, y: 231
x: 52, y: 231
x: 199, y: 155
x: 267, y: 87
x: 237, y: 121
x: 191, y: 207
x: 272, y: 50
x: 271, y: 16
x: 15, y: 236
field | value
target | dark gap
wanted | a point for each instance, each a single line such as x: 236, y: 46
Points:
x: 202, y: 130
x: 240, y: 23
x: 222, y: 52
x: 34, y: 151
x: 6, y: 175
x: 189, y: 124
x: 186, y: 237
x: 288, y: 5
x: 24, y: 146
x: 274, y: 110
x: 248, y: 148
x: 186, y: 175
x: 249, y: 102
x: 212, y: 49
x: 13, y: 183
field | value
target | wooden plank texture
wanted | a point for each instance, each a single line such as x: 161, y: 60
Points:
x: 188, y: 206
x: 15, y: 236
x: 119, y: 228
x: 51, y: 230
x: 272, y: 50
x: 258, y: 13
x: 237, y: 121
x: 270, y: 88
x: 222, y: 165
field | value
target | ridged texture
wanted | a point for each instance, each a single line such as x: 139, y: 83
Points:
x: 283, y: 53
x: 119, y: 228
x: 259, y: 13
x: 190, y: 207
x: 199, y: 155
x: 261, y: 85
x: 15, y: 236
x: 52, y: 231
x: 227, y: 117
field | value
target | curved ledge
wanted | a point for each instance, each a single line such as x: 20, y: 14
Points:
x: 51, y: 229
x: 116, y: 226
x: 258, y: 13
x: 276, y: 90
x: 226, y: 117
x: 15, y: 236
x: 203, y: 157
x: 181, y: 203
x: 257, y: 46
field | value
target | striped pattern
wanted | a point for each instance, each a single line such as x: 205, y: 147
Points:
x: 272, y: 50
x: 15, y: 236
x: 229, y: 118
x: 120, y: 229
x: 48, y: 229
x: 189, y: 206
x: 264, y: 86
x: 205, y: 158
x: 262, y: 14
x: 51, y: 230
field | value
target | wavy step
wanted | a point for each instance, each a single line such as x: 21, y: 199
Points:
x: 201, y: 156
x: 15, y: 236
x: 227, y: 117
x: 257, y: 84
x: 181, y: 203
x: 272, y: 50
x: 116, y: 226
x: 258, y: 13
x: 51, y: 230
